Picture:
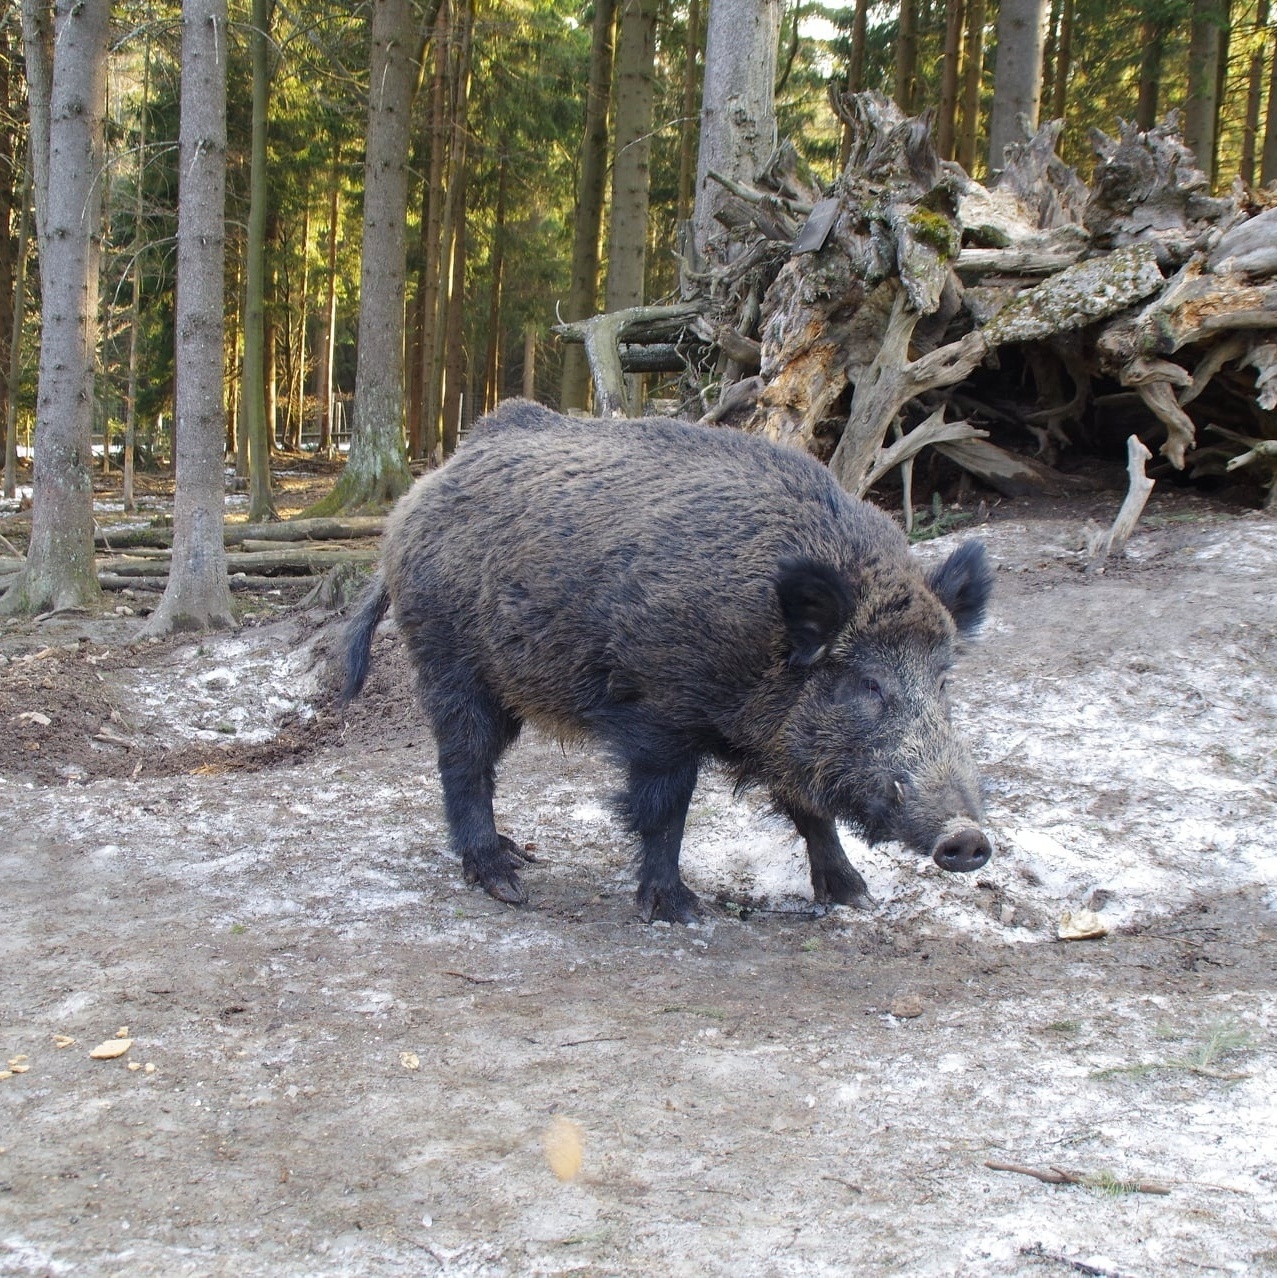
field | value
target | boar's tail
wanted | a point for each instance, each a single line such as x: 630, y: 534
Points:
x: 359, y: 637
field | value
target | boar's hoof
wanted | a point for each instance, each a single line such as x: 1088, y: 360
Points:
x: 963, y: 851
x: 841, y: 885
x: 676, y: 904
x: 497, y: 872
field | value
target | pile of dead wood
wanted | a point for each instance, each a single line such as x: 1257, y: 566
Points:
x: 851, y: 321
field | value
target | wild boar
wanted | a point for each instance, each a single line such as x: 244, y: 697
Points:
x: 680, y: 594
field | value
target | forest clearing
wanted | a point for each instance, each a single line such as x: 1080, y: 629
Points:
x: 343, y: 1060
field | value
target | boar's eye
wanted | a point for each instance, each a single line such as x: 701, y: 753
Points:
x: 872, y: 688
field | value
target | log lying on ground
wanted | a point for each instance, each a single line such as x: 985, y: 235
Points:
x: 348, y: 529
x: 290, y: 562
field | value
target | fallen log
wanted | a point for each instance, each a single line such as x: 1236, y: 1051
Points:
x: 291, y: 562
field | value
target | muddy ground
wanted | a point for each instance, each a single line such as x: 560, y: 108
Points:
x: 344, y: 1061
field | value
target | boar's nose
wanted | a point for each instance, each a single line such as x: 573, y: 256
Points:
x: 963, y: 851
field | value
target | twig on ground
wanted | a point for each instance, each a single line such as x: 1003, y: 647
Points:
x: 1058, y: 1176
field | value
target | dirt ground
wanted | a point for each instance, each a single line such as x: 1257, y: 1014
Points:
x: 343, y: 1061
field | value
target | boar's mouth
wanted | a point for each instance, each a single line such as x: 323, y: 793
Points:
x: 962, y: 850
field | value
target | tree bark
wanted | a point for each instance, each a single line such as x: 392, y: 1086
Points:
x: 1268, y: 155
x: 59, y: 568
x: 19, y: 315
x: 252, y: 421
x: 1254, y: 96
x: 574, y: 387
x: 947, y: 119
x: 738, y: 110
x: 631, y: 164
x: 906, y: 56
x: 972, y: 82
x: 1018, y: 79
x: 198, y: 596
x: 1201, y: 104
x: 11, y: 190
x: 376, y: 470
x: 326, y: 345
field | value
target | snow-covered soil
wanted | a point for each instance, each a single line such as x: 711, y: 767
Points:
x: 363, y: 1067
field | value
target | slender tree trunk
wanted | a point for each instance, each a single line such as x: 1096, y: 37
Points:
x: 906, y: 55
x: 198, y: 595
x: 455, y: 371
x: 19, y: 318
x: 428, y: 373
x: 491, y: 363
x: 947, y: 122
x: 1018, y: 78
x: 135, y: 307
x: 530, y: 361
x: 574, y: 389
x: 631, y: 165
x: 326, y: 345
x: 1153, y: 34
x: 1254, y: 96
x: 59, y: 571
x: 377, y: 469
x: 855, y: 71
x: 37, y: 52
x: 1062, y: 63
x: 972, y: 84
x: 738, y: 109
x: 450, y: 234
x: 688, y: 117
x: 1268, y: 155
x: 253, y: 423
x: 1202, y: 103
x: 10, y: 188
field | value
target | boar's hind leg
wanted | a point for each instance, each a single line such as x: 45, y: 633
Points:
x: 834, y: 880
x: 473, y: 730
x: 654, y: 806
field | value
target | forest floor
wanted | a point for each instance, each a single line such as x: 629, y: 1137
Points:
x: 344, y: 1061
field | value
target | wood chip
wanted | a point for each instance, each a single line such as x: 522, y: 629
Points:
x: 112, y: 1048
x: 410, y: 1060
x: 564, y: 1147
x: 1081, y: 925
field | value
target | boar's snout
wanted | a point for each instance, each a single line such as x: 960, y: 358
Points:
x: 963, y: 850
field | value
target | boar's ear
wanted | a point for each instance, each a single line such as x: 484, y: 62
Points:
x: 815, y: 604
x: 963, y: 584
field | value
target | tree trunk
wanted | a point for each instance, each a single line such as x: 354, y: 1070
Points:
x: 59, y: 568
x: 947, y: 120
x: 450, y: 228
x: 425, y: 438
x: 530, y: 361
x: 687, y: 124
x: 492, y: 360
x: 377, y: 471
x: 1018, y: 78
x: 1254, y: 96
x: 574, y: 389
x: 10, y: 188
x: 1152, y: 46
x: 1201, y: 104
x: 972, y: 83
x: 37, y: 52
x: 454, y: 360
x: 738, y: 110
x: 631, y: 165
x: 19, y: 317
x: 135, y: 305
x: 326, y: 345
x: 252, y: 420
x: 1062, y: 63
x: 1268, y: 156
x: 198, y: 594
x: 906, y: 55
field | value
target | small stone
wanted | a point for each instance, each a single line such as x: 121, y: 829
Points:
x: 907, y: 1006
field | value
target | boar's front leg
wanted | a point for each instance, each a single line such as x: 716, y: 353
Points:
x: 473, y: 730
x: 654, y: 806
x: 834, y: 879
